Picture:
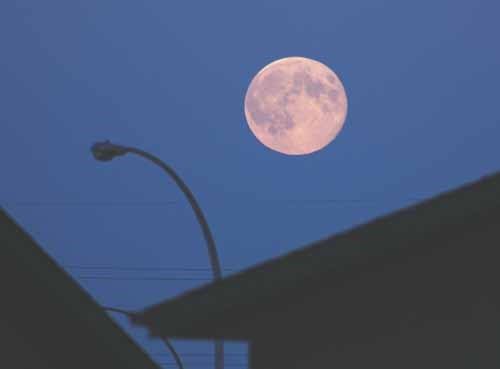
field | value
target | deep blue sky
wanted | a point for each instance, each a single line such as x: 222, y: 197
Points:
x: 422, y: 79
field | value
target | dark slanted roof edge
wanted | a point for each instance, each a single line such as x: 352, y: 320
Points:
x: 267, y: 283
x: 28, y: 261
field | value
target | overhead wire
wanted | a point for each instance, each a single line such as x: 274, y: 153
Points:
x: 110, y: 272
x: 198, y: 354
x: 141, y: 268
x: 111, y: 278
x: 175, y: 202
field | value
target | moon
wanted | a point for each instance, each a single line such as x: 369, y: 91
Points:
x: 295, y: 105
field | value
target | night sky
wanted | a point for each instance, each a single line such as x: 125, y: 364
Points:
x: 423, y: 85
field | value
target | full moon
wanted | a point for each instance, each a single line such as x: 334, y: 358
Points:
x: 295, y: 105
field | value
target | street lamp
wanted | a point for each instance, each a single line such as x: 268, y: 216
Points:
x: 106, y: 151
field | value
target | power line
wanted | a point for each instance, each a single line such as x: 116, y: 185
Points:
x: 168, y: 203
x: 91, y: 203
x: 142, y: 278
x: 140, y: 273
x: 200, y: 354
x: 141, y: 268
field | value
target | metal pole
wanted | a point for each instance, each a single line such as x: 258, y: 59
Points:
x: 212, y: 251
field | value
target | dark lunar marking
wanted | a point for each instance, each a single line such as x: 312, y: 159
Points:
x: 289, y: 123
x: 258, y: 115
x: 272, y: 83
x: 325, y: 108
x: 286, y: 97
x: 331, y: 79
x: 272, y: 130
x: 333, y: 94
x: 314, y: 88
x: 299, y: 79
x: 304, y: 80
x: 280, y: 123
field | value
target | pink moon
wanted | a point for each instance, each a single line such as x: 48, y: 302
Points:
x: 295, y: 106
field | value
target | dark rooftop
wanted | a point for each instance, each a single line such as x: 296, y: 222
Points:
x: 235, y: 307
x: 48, y: 320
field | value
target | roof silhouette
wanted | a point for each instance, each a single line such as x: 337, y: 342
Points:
x: 48, y: 320
x: 241, y: 306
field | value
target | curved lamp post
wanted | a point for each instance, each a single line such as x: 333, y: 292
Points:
x: 106, y: 151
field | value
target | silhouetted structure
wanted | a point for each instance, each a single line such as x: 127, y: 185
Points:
x: 107, y: 151
x: 415, y: 289
x: 47, y: 320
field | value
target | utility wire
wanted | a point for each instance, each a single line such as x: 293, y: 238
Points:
x: 198, y: 354
x: 92, y: 203
x: 114, y: 273
x: 142, y: 278
x: 101, y: 272
x: 194, y: 363
x: 140, y: 269
x: 168, y: 203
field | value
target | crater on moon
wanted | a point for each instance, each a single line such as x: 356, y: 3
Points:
x: 295, y: 105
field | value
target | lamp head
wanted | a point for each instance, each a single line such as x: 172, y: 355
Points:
x: 106, y: 151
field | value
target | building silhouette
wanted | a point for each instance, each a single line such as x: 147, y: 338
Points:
x: 414, y: 289
x: 47, y: 320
